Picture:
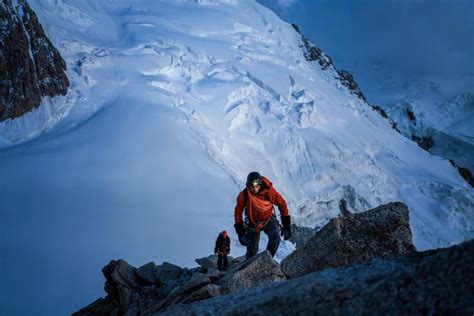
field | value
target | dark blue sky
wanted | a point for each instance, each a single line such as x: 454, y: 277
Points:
x: 408, y: 39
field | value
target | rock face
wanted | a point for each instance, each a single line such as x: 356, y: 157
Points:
x: 378, y: 233
x: 429, y: 283
x: 313, y: 53
x: 152, y: 289
x: 259, y: 270
x: 30, y: 66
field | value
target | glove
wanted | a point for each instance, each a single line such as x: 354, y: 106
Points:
x: 286, y: 229
x: 240, y: 230
x: 243, y: 240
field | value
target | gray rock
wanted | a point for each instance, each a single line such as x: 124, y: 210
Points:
x: 121, y: 281
x: 168, y: 271
x: 211, y: 261
x: 261, y: 269
x: 208, y: 291
x: 238, y: 260
x: 378, y: 233
x: 160, y: 274
x: 148, y: 273
x: 208, y: 262
x: 214, y: 274
x: 99, y: 307
x: 429, y: 283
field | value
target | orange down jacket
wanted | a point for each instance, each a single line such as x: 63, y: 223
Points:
x: 257, y: 211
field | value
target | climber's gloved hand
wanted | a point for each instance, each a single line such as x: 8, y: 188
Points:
x: 286, y: 229
x: 240, y: 230
x: 243, y: 240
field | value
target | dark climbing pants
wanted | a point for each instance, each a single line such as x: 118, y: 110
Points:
x: 272, y: 230
x: 222, y: 262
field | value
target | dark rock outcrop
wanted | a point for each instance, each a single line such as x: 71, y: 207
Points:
x: 435, y: 282
x: 159, y: 274
x: 379, y: 109
x: 425, y: 142
x: 152, y: 289
x: 347, y: 80
x: 211, y: 261
x: 378, y: 233
x: 313, y: 53
x: 259, y: 270
x: 30, y: 66
x: 464, y: 173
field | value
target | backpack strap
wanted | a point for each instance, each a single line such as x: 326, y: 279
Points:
x: 246, y: 197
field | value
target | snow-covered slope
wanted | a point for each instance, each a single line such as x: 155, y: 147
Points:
x: 171, y: 105
x: 425, y: 111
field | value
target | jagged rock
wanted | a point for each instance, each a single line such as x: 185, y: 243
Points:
x: 377, y: 233
x: 211, y: 261
x: 379, y: 109
x: 30, y: 66
x: 425, y: 142
x: 429, y: 283
x: 208, y: 291
x: 214, y: 274
x: 101, y: 307
x: 121, y: 281
x: 161, y: 274
x: 313, y: 53
x: 347, y: 80
x: 261, y: 269
x: 207, y: 262
x: 168, y: 271
x: 464, y: 172
x: 344, y: 212
x: 180, y: 293
x: 147, y: 272
x: 300, y: 235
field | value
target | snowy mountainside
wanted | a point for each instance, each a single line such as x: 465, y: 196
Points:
x: 425, y: 111
x: 173, y: 103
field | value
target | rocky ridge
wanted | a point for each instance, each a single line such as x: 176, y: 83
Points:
x: 378, y: 270
x: 313, y: 53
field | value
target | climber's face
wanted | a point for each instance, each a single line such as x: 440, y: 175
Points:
x: 254, y: 188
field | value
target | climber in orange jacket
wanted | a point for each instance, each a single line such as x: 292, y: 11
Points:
x: 258, y: 199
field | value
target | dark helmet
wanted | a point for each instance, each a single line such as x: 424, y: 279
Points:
x: 224, y: 234
x: 254, y: 177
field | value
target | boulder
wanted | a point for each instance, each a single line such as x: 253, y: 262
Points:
x: 207, y: 262
x: 211, y: 261
x: 161, y: 274
x: 121, y: 281
x: 259, y: 270
x: 148, y: 274
x: 214, y: 274
x: 208, y: 291
x: 168, y: 271
x: 378, y: 233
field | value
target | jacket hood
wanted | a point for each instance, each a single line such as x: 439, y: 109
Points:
x: 267, y: 182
